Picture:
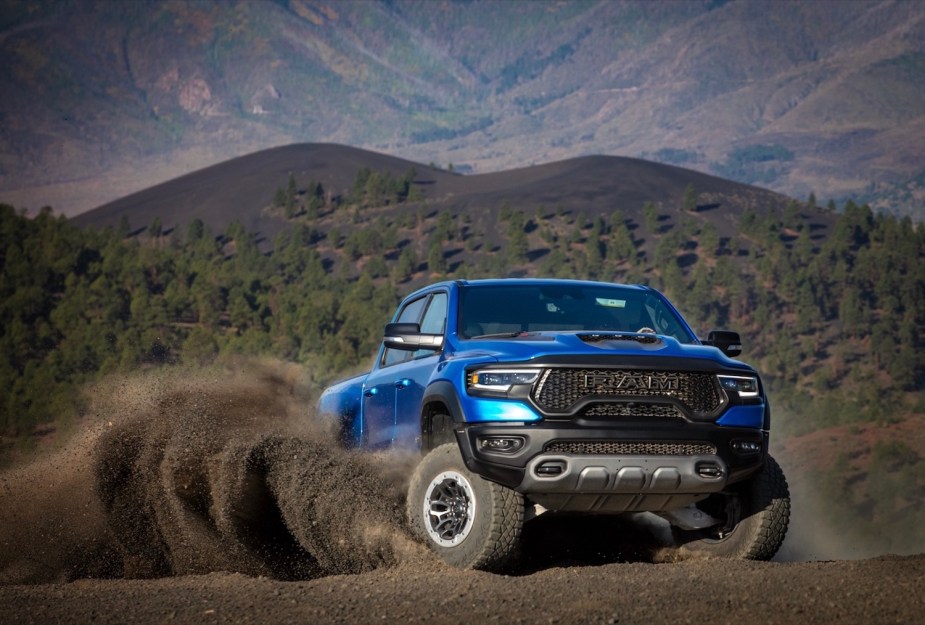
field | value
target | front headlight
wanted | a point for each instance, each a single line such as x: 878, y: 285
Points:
x: 499, y: 380
x: 744, y: 385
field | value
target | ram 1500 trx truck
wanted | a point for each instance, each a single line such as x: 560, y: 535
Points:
x: 559, y: 396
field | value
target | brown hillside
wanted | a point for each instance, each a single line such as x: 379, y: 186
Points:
x: 242, y: 189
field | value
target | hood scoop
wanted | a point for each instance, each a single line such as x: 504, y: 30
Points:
x: 644, y: 340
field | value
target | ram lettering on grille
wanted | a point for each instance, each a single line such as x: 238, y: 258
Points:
x: 560, y: 389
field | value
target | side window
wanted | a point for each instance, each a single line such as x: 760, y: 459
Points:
x: 412, y: 312
x: 409, y: 314
x: 434, y: 321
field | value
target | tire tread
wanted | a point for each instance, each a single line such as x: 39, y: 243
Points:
x: 762, y: 531
x: 501, y: 543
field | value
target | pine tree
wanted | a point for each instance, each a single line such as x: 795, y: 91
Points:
x: 709, y: 240
x: 517, y: 245
x: 436, y: 261
x: 155, y: 229
x: 690, y: 199
x: 651, y: 215
x: 291, y: 193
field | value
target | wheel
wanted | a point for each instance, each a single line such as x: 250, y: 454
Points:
x: 468, y: 521
x: 756, y: 513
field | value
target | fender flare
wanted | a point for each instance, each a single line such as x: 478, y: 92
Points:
x: 444, y: 392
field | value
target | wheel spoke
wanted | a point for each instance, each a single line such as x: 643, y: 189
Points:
x: 449, y: 508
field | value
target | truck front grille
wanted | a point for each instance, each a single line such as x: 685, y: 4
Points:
x: 560, y: 389
x: 629, y: 448
x: 629, y: 409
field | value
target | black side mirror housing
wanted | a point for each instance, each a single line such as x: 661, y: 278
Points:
x: 408, y: 337
x: 727, y: 342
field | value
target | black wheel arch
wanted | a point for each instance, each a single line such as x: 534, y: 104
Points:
x: 440, y: 411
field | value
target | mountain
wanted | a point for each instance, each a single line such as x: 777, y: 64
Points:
x: 242, y: 189
x: 102, y: 99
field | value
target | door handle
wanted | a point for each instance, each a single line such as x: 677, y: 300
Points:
x: 405, y: 383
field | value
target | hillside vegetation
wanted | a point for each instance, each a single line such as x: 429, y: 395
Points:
x: 834, y: 321
x: 835, y: 325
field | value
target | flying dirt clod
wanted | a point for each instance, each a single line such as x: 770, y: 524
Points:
x: 186, y: 475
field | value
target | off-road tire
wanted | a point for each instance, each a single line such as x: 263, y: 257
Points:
x: 761, y: 509
x: 491, y: 536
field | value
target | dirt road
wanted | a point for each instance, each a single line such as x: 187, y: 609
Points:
x: 882, y: 590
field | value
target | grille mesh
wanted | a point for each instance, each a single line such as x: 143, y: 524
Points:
x: 560, y: 389
x: 631, y: 410
x: 629, y: 448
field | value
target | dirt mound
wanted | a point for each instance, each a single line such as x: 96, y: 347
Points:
x: 185, y: 475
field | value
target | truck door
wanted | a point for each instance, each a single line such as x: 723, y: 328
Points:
x: 379, y: 389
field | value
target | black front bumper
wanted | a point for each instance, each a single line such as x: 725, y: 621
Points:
x: 521, y: 470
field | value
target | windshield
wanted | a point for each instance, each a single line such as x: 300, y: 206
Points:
x: 511, y: 309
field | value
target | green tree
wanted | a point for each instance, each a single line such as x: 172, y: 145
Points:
x: 195, y: 231
x: 279, y: 198
x: 292, y: 193
x: 651, y: 216
x: 405, y: 266
x: 436, y: 260
x: 155, y: 229
x: 517, y: 245
x: 125, y: 227
x: 709, y: 240
x: 853, y: 311
x: 690, y: 198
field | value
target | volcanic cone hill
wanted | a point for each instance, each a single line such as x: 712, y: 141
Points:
x: 242, y: 189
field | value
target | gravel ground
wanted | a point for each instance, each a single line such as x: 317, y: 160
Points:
x: 881, y: 590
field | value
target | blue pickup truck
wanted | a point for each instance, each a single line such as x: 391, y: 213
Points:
x: 530, y: 397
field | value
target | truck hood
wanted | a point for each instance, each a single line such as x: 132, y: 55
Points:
x: 539, y: 346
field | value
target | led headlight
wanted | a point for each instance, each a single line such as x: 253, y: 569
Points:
x: 498, y: 380
x: 744, y: 385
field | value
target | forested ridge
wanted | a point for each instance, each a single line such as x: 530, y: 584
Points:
x: 834, y: 323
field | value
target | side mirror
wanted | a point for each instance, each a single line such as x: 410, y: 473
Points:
x: 408, y: 337
x: 727, y: 342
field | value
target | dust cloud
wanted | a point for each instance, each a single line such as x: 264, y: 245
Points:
x: 185, y: 473
x: 179, y: 472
